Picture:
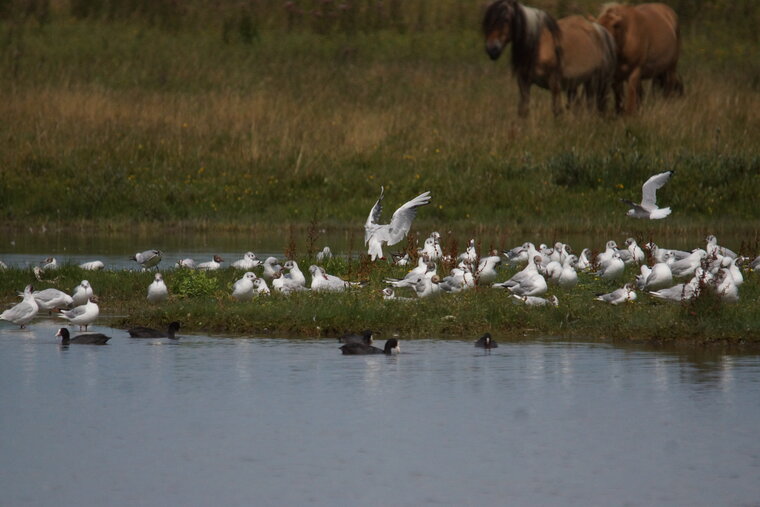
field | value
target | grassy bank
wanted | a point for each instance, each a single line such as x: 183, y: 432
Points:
x: 187, y: 116
x: 202, y: 302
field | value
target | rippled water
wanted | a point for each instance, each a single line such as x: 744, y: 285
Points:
x: 251, y: 421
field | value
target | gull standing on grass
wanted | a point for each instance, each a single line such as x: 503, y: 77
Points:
x: 22, y: 313
x: 682, y: 291
x: 658, y: 277
x: 157, y: 291
x: 714, y: 249
x: 584, y: 263
x: 636, y: 253
x: 186, y: 263
x: 376, y: 234
x: 401, y: 260
x: 293, y: 280
x: 148, y: 258
x: 612, y: 269
x: 49, y: 263
x: 486, y: 272
x: 687, y: 266
x: 92, y: 265
x: 626, y: 293
x: 411, y: 276
x: 659, y: 253
x: 271, y: 268
x: 609, y: 250
x: 536, y: 301
x: 242, y: 290
x: 389, y: 294
x: 648, y: 206
x: 568, y: 277
x: 248, y: 262
x: 321, y: 281
x: 260, y: 287
x: 212, y: 265
x: 324, y: 255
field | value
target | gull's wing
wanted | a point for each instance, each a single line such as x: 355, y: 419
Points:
x: 75, y: 312
x: 612, y: 296
x: 374, y: 215
x: 649, y: 189
x: 403, y: 217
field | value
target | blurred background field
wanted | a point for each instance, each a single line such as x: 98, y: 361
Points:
x: 233, y: 114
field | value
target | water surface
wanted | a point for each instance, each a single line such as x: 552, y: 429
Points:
x: 253, y: 421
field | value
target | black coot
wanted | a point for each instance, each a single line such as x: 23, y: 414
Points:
x: 83, y: 339
x: 147, y: 332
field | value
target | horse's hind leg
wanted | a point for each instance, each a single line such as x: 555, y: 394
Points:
x: 618, y: 89
x: 596, y: 95
x: 634, y: 91
x: 670, y: 83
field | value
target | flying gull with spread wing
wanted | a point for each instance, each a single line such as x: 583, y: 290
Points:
x: 376, y: 234
x: 648, y: 206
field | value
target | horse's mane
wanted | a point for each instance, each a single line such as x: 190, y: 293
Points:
x: 527, y: 24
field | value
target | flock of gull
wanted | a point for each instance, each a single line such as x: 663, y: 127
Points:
x: 712, y: 268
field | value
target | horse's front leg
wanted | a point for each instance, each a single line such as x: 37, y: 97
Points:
x: 524, y: 104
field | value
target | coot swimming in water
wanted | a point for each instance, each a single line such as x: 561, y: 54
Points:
x: 486, y: 342
x: 355, y: 349
x: 364, y: 337
x: 147, y: 332
x: 84, y: 339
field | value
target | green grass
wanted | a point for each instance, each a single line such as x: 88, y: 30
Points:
x: 202, y: 302
x: 113, y: 118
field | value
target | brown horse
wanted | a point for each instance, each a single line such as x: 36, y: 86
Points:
x: 554, y: 55
x: 648, y: 44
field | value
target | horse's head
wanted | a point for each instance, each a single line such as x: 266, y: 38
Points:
x: 612, y: 17
x: 497, y: 24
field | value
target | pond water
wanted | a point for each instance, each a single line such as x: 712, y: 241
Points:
x: 254, y: 421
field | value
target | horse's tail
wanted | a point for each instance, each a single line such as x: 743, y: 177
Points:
x: 677, y: 81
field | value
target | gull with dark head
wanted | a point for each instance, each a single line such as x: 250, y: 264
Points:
x: 376, y: 234
x: 49, y: 263
x: 212, y: 265
x: 648, y: 206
